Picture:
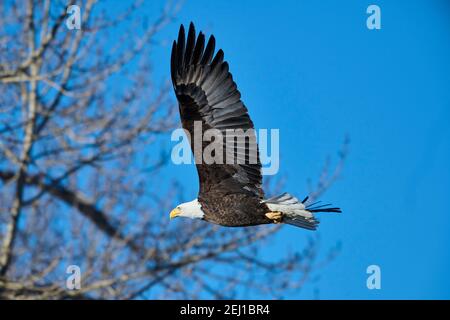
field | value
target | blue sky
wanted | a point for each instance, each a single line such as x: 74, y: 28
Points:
x: 314, y: 70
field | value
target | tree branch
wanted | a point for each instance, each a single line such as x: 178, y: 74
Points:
x: 74, y: 200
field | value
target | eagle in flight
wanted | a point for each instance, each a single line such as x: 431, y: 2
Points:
x: 230, y: 194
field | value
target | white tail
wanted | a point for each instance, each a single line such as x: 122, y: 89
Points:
x: 297, y: 213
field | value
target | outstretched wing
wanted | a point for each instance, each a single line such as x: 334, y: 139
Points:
x: 207, y: 93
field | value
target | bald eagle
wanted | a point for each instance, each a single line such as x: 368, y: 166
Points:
x: 230, y: 194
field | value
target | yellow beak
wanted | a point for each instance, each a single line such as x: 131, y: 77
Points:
x: 174, y: 213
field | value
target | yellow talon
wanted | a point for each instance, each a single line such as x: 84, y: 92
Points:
x: 275, y: 216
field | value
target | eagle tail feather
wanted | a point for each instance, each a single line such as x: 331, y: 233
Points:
x: 302, y: 222
x: 298, y: 213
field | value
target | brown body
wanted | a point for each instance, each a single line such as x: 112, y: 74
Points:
x: 234, y: 210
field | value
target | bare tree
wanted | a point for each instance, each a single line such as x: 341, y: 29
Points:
x: 80, y: 180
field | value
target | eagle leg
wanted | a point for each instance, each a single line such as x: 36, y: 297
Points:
x: 275, y: 216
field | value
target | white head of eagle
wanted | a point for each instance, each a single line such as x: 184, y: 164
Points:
x: 191, y: 209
